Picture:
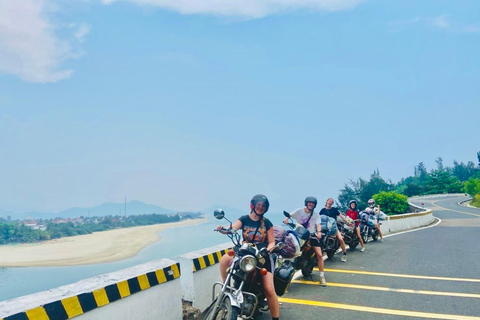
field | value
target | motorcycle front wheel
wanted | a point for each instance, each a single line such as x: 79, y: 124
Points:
x: 225, y: 311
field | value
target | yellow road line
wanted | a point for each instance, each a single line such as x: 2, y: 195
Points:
x: 378, y: 310
x: 364, y: 287
x: 471, y: 214
x: 400, y: 275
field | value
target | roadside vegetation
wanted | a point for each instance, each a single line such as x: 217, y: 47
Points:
x: 393, y: 197
x: 39, y: 230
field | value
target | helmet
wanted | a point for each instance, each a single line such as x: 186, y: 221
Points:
x: 311, y: 199
x: 259, y: 198
x: 371, y: 203
x: 352, y: 201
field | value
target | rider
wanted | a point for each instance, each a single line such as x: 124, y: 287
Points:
x: 371, y: 209
x: 258, y: 230
x: 310, y: 219
x: 333, y: 212
x: 352, y: 212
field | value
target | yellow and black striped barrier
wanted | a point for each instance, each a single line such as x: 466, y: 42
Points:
x: 84, y: 302
x: 208, y: 260
x: 409, y: 215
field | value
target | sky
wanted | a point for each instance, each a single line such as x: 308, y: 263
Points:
x: 188, y: 104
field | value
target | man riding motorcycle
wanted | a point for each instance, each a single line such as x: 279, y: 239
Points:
x: 310, y: 219
x: 371, y: 209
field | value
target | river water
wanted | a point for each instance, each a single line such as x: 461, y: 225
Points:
x: 16, y: 282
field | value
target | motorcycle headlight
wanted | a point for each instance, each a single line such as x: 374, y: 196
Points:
x: 248, y: 263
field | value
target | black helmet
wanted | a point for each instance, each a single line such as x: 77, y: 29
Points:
x: 311, y: 199
x: 352, y: 201
x: 259, y: 198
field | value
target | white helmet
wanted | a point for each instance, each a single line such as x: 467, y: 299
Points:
x: 371, y: 203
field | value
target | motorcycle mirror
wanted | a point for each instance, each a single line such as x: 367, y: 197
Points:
x: 219, y: 214
x: 286, y: 214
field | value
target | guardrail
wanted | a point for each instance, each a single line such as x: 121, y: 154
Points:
x: 120, y: 295
x: 153, y: 290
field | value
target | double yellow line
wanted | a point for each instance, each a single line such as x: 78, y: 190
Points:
x: 378, y: 310
x: 385, y: 310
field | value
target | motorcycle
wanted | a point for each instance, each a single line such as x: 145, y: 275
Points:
x: 347, y: 228
x: 367, y: 226
x: 330, y: 243
x: 307, y: 260
x: 241, y: 294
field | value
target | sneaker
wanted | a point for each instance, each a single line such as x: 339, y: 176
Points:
x: 344, y: 258
x: 381, y: 240
x: 363, y: 249
x: 323, y: 282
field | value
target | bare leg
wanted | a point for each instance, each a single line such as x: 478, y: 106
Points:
x: 360, y: 237
x: 224, y: 264
x: 318, y: 252
x: 379, y: 231
x: 342, y: 243
x: 272, y: 299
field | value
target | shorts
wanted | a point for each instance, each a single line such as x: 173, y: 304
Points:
x: 314, y: 242
x: 270, y: 262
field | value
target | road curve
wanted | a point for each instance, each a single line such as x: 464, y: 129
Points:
x: 429, y: 273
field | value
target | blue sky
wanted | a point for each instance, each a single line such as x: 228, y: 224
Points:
x: 188, y: 104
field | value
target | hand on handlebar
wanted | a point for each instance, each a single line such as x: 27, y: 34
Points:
x: 223, y: 230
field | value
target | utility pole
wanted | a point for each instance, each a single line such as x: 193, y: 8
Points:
x: 125, y: 206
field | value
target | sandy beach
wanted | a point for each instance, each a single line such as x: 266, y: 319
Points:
x: 98, y: 247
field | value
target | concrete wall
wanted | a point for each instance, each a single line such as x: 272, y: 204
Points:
x: 153, y: 290
x: 147, y: 291
x: 419, y: 217
x: 200, y: 271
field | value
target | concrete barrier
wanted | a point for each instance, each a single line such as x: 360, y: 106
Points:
x: 147, y: 291
x: 198, y: 275
x: 136, y: 293
x: 401, y: 222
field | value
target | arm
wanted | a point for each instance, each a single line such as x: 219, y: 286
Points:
x: 271, y: 239
x: 235, y: 226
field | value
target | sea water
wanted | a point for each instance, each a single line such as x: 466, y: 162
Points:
x: 16, y: 282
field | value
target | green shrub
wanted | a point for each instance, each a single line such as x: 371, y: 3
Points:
x: 391, y: 202
x: 472, y: 186
x: 476, y: 201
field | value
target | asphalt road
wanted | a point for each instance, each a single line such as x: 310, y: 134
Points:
x: 426, y: 273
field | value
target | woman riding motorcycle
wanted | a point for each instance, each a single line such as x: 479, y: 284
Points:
x: 352, y: 212
x: 258, y: 230
x: 310, y: 219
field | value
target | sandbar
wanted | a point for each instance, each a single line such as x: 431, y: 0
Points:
x: 97, y: 247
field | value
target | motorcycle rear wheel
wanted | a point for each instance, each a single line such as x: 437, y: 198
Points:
x: 353, y: 245
x: 225, y: 311
x: 374, y: 236
x: 307, y: 271
x: 330, y: 254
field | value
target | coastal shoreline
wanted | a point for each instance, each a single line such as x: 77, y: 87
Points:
x: 98, y: 247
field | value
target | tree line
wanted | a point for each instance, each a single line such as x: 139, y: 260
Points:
x: 18, y: 232
x: 459, y: 178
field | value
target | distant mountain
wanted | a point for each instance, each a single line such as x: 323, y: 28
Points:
x: 134, y: 207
